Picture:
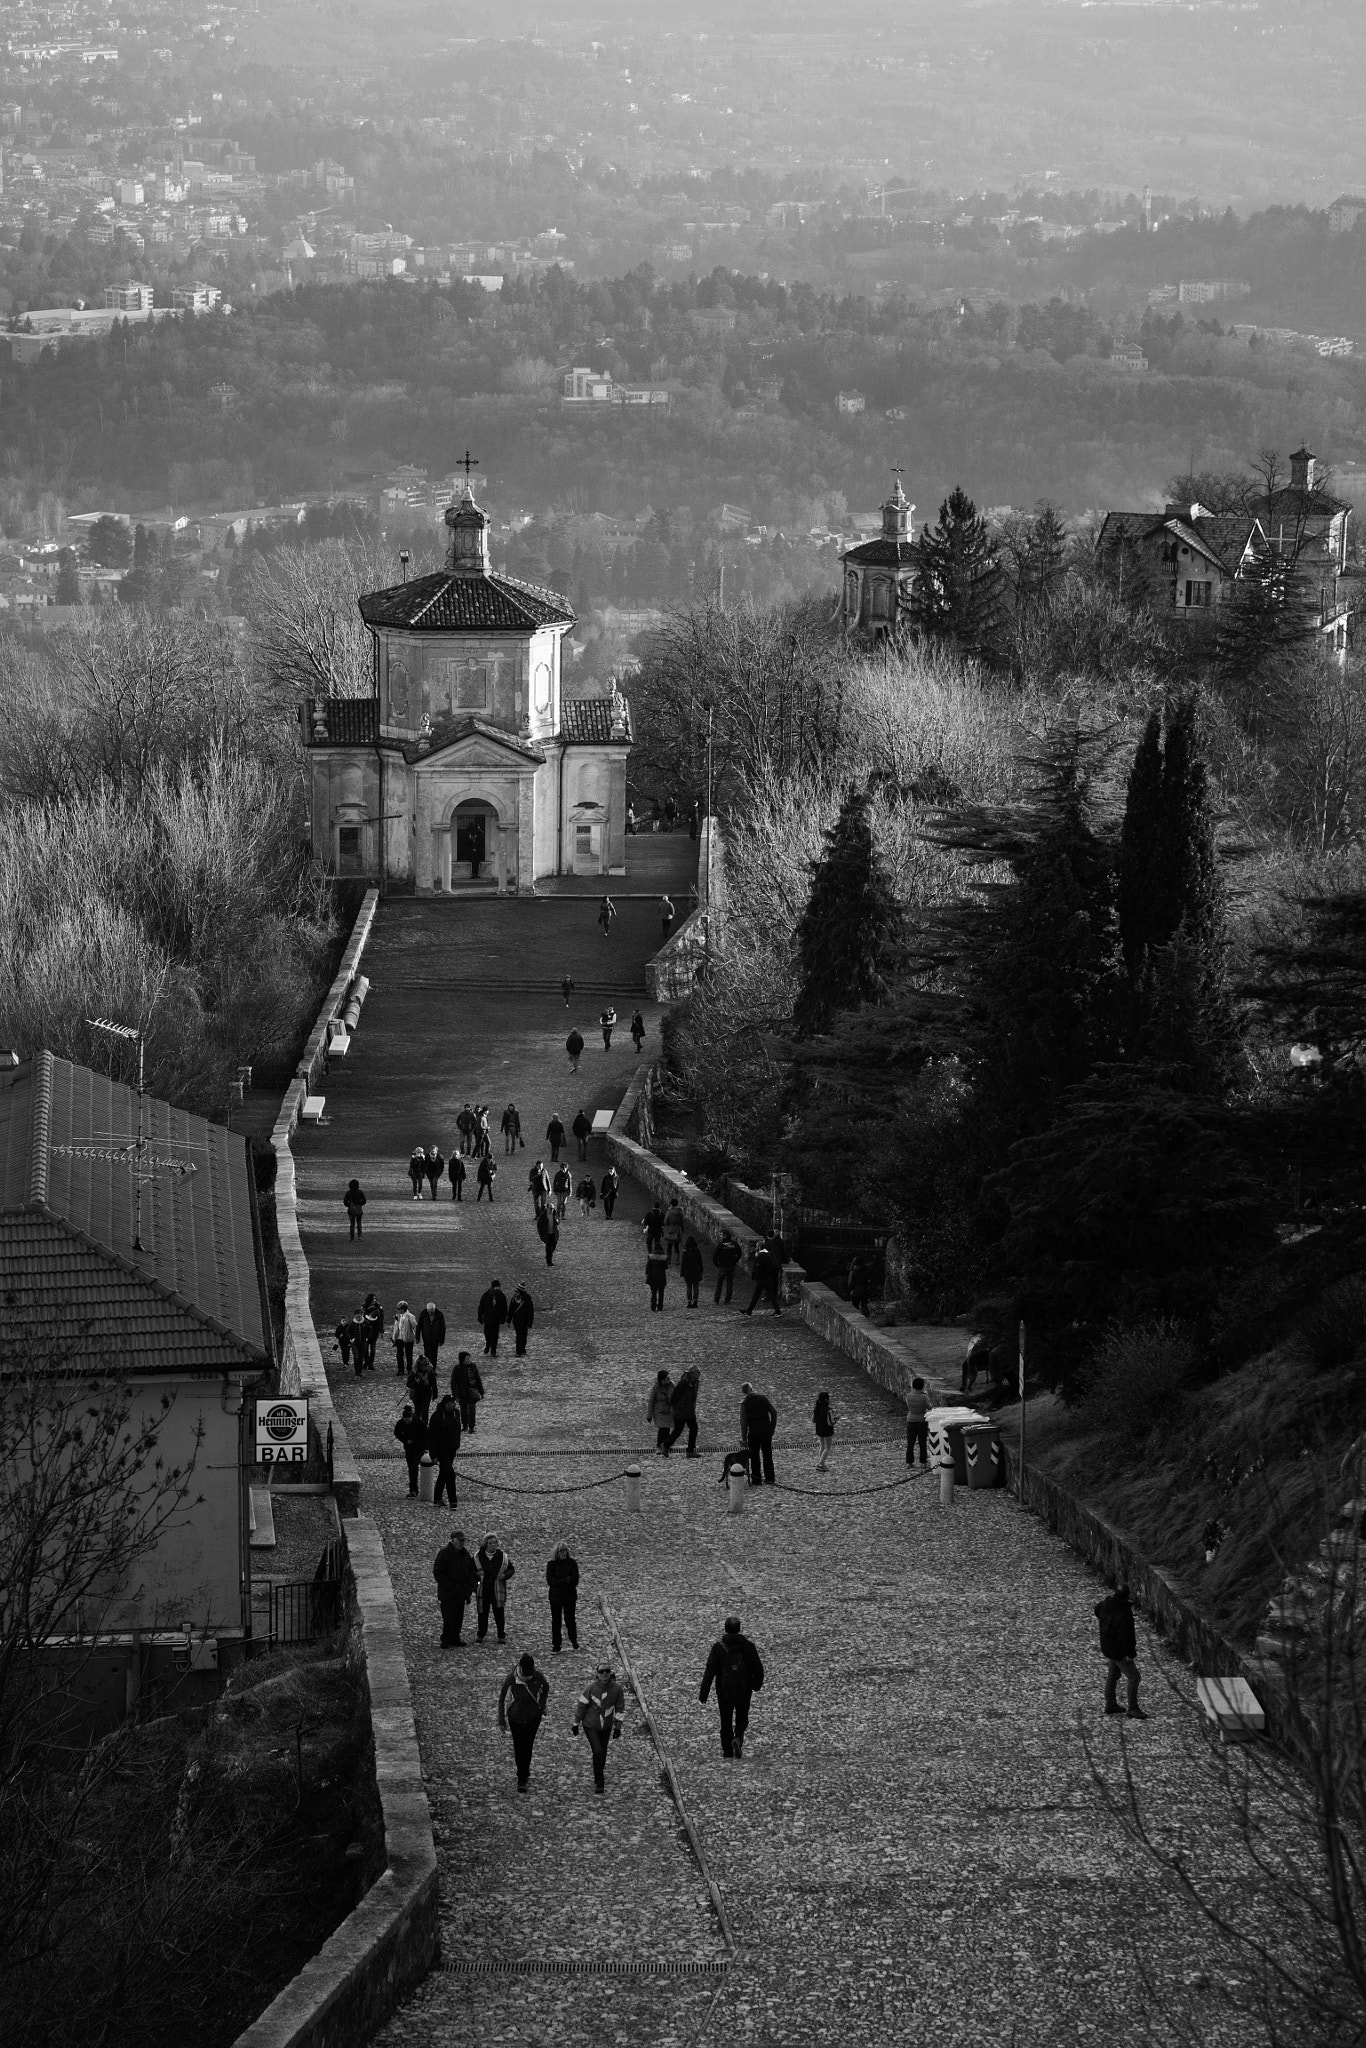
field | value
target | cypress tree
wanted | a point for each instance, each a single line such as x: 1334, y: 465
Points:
x: 958, y: 585
x: 851, y: 918
x: 1139, y: 839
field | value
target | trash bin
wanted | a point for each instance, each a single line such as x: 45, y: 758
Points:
x: 982, y: 1451
x: 946, y: 1438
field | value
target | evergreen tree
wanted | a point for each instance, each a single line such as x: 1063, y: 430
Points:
x: 958, y: 586
x: 850, y: 920
x: 68, y: 580
x: 1139, y: 839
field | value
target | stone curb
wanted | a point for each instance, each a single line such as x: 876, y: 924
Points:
x: 388, y: 1943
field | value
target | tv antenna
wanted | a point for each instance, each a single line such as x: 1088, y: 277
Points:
x: 144, y: 1165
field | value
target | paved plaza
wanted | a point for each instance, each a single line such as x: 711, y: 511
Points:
x: 912, y: 1845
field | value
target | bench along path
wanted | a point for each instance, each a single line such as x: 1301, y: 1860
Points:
x: 912, y: 1840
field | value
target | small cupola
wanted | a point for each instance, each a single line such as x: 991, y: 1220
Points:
x: 468, y: 551
x: 1303, y: 470
x: 896, y: 514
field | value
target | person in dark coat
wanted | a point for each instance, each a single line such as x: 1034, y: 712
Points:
x: 548, y: 1230
x: 512, y: 1129
x: 652, y: 1227
x: 736, y: 1669
x: 562, y: 1187
x: 860, y: 1283
x: 431, y: 1331
x: 465, y: 1124
x: 521, y: 1315
x: 417, y: 1171
x: 554, y: 1136
x: 637, y: 1030
x: 607, y: 1188
x: 436, y: 1166
x: 573, y: 1045
x: 521, y: 1707
x: 659, y: 1410
x: 1119, y: 1648
x: 587, y: 1194
x: 666, y: 915
x: 607, y: 910
x: 487, y: 1172
x: 917, y: 1423
x: 976, y: 1359
x: 758, y: 1420
x: 467, y: 1385
x: 657, y: 1276
x: 493, y: 1313
x: 495, y: 1570
x: 456, y: 1576
x: 691, y: 1267
x: 583, y: 1131
x: 413, y: 1438
x: 562, y: 1577
x: 685, y: 1408
x: 371, y: 1328
x: 443, y: 1441
x: 600, y: 1711
x: 455, y: 1171
x: 824, y: 1419
x: 353, y: 1201
x: 768, y: 1279
x: 538, y: 1181
x: 726, y: 1258
x: 567, y: 989
x: 347, y: 1334
x: 422, y: 1388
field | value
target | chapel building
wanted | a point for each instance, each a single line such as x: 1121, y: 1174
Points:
x: 879, y: 575
x: 467, y: 765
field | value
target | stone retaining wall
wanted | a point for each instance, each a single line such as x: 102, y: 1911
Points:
x: 891, y: 1357
x: 387, y: 1944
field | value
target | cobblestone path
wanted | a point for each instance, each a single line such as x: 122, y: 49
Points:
x: 912, y: 1844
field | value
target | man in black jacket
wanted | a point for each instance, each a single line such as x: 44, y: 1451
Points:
x: 1118, y: 1646
x: 758, y: 1420
x: 726, y: 1258
x: 521, y: 1707
x: 684, y: 1406
x: 443, y: 1441
x: 486, y: 1176
x: 562, y: 1577
x: 431, y: 1331
x: 371, y: 1328
x: 521, y: 1315
x: 422, y: 1390
x: 737, y: 1671
x: 467, y: 1385
x: 493, y: 1313
x: 413, y: 1438
x: 554, y: 1136
x: 548, y: 1230
x: 456, y: 1576
x: 583, y: 1131
x: 768, y: 1278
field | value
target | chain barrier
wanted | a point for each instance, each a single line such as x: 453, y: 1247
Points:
x: 849, y: 1492
x: 494, y: 1486
x: 715, y: 1450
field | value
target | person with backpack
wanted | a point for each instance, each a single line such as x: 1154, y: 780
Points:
x: 563, y: 1187
x: 455, y: 1171
x: 431, y: 1331
x: 573, y: 1045
x: 608, y: 1021
x: 404, y: 1336
x: 486, y: 1176
x: 726, y: 1258
x: 691, y: 1267
x: 422, y: 1388
x: 492, y: 1314
x: 353, y: 1201
x: 1119, y: 1648
x: 736, y: 1669
x: 417, y: 1170
x: 371, y: 1329
x: 467, y: 1385
x: 917, y: 1423
x: 495, y: 1571
x: 600, y: 1711
x: 554, y: 1136
x: 659, y: 1411
x: 683, y: 1401
x: 583, y: 1131
x: 521, y: 1708
x: 608, y: 1188
x: 347, y: 1334
x: 637, y: 1031
x: 512, y: 1129
x: 824, y: 1419
x: 562, y: 1578
x: 443, y: 1441
x: 436, y: 1166
x: 456, y: 1576
x: 413, y: 1438
x: 521, y: 1315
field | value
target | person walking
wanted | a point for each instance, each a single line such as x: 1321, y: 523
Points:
x: 483, y: 1138
x: 587, y: 1194
x: 404, y: 1335
x: 422, y: 1388
x: 521, y: 1708
x: 656, y: 1275
x: 573, y: 1045
x: 659, y: 1411
x: 457, y: 1576
x: 976, y: 1359
x: 652, y: 1228
x: 860, y: 1283
x: 567, y: 989
x: 371, y: 1328
x: 492, y: 1314
x: 353, y: 1201
x: 1119, y: 1648
x: 443, y: 1441
x: 684, y: 1404
x: 538, y: 1181
x: 548, y: 1230
x: 608, y: 1021
x: 562, y: 1187
x: 758, y: 1420
x: 464, y: 1123
x: 521, y: 1315
x: 486, y: 1175
x: 554, y: 1136
x: 691, y: 1267
x: 736, y: 1669
x: 562, y: 1578
x: 495, y: 1570
x: 511, y: 1128
x: 768, y: 1279
x: 600, y: 1711
x: 824, y: 1419
x: 413, y: 1438
x: 917, y: 1423
x: 347, y: 1334
x: 637, y: 1031
x: 467, y: 1385
x: 673, y: 1230
x: 726, y: 1258
x: 607, y: 910
x: 666, y: 915
x: 436, y: 1166
x: 455, y: 1173
x: 417, y: 1170
x: 583, y: 1131
x: 431, y: 1331
x: 607, y: 1188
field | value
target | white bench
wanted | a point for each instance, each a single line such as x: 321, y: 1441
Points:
x: 602, y: 1121
x: 312, y: 1111
x: 338, y: 1041
x: 1232, y: 1705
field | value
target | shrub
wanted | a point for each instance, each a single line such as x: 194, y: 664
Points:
x: 1336, y: 1325
x: 1136, y: 1375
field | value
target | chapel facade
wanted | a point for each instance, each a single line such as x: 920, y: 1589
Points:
x: 879, y: 575
x: 467, y: 765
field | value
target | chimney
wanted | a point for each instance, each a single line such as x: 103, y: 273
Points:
x: 1303, y: 469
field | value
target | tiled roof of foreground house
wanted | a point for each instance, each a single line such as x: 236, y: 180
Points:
x: 467, y: 604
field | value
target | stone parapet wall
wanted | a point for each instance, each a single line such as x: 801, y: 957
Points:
x: 891, y: 1357
x: 672, y: 972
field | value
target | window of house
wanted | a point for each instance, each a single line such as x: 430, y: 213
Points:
x: 1199, y: 594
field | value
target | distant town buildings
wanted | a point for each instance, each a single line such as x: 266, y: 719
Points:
x: 582, y: 386
x: 1204, y: 291
x: 1127, y: 355
x: 850, y: 402
x: 1344, y: 213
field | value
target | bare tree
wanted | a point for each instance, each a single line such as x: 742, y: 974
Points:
x: 306, y: 630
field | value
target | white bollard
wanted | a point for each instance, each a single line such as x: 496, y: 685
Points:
x: 737, y: 1483
x: 426, y: 1479
x: 946, y: 1485
x: 633, y: 1489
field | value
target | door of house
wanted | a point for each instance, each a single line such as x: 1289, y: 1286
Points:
x: 471, y: 840
x: 348, y: 850
x: 587, y: 849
